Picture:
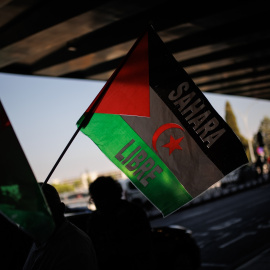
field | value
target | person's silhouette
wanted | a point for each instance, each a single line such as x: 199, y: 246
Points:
x: 68, y: 248
x: 14, y: 245
x: 120, y: 230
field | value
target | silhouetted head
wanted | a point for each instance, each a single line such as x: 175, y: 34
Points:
x: 54, y: 202
x: 105, y: 191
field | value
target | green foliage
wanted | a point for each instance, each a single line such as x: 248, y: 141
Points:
x: 230, y: 118
x: 77, y: 183
x: 64, y: 187
x: 231, y: 121
x: 68, y: 187
x: 265, y: 131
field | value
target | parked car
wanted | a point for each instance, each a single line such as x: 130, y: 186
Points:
x: 174, y: 246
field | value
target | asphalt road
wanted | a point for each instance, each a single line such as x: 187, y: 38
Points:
x: 231, y: 230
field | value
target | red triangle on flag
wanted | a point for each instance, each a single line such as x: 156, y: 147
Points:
x: 127, y: 90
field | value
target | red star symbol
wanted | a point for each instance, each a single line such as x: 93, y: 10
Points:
x: 173, y: 144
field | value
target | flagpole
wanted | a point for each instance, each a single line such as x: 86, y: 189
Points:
x: 85, y: 121
x: 82, y: 124
x: 61, y: 156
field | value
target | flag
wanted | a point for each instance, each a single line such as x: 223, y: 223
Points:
x: 155, y: 125
x: 21, y: 199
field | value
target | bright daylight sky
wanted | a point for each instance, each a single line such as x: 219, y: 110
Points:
x: 43, y: 112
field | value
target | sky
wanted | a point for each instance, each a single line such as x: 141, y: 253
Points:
x: 44, y: 110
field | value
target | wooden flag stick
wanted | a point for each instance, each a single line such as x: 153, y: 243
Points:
x: 82, y: 124
x: 61, y: 156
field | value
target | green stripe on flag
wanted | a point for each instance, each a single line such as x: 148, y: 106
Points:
x: 35, y: 223
x: 144, y: 168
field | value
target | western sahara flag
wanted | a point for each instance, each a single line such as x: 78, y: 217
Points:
x: 21, y: 200
x: 155, y: 125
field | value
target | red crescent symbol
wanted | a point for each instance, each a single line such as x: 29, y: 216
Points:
x: 160, y: 130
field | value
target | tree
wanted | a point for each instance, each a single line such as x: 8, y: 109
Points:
x: 264, y: 128
x: 231, y: 121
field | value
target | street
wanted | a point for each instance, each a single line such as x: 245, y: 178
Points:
x: 230, y: 230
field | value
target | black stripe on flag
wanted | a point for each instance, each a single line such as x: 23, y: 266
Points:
x: 176, y: 88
